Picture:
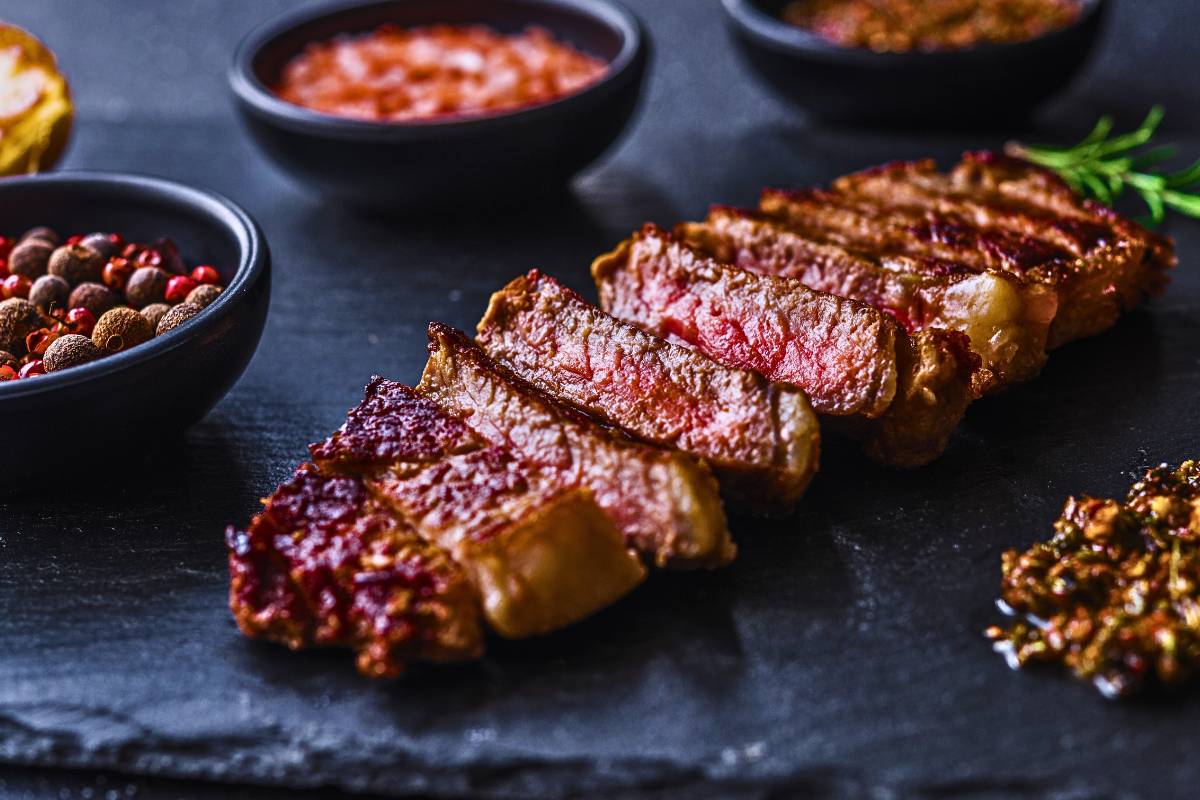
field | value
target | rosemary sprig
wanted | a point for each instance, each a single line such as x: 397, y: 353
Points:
x: 1103, y: 165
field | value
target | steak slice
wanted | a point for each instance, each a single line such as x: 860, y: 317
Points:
x: 325, y: 564
x: 761, y: 439
x: 994, y: 212
x: 665, y: 502
x: 1006, y: 320
x: 540, y: 554
x: 904, y: 395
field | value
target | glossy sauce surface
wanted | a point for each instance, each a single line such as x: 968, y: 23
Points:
x: 399, y: 74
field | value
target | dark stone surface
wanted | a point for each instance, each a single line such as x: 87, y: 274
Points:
x: 841, y: 655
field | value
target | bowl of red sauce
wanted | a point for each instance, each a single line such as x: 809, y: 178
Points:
x: 917, y: 62
x: 431, y: 104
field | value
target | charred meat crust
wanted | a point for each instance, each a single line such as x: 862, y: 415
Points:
x: 666, y: 503
x: 536, y: 567
x: 762, y: 447
x: 830, y: 347
x: 1007, y: 320
x: 325, y: 564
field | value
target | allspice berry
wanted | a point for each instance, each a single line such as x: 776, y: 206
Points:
x: 155, y: 312
x: 7, y: 359
x: 43, y: 233
x: 69, y: 351
x: 76, y: 264
x: 102, y: 243
x: 49, y: 292
x: 120, y: 329
x: 95, y: 297
x: 176, y: 317
x: 30, y: 258
x: 18, y: 319
x: 203, y: 294
x: 146, y: 285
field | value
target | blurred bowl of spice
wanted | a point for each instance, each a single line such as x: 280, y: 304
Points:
x: 129, y: 306
x: 430, y: 104
x: 919, y: 63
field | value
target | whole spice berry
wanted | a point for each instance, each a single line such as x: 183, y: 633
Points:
x: 7, y: 359
x: 203, y: 295
x: 154, y: 313
x: 205, y: 274
x: 70, y: 351
x: 102, y: 243
x: 178, y: 288
x: 149, y: 257
x: 176, y: 317
x: 40, y: 340
x: 77, y: 264
x: 95, y: 297
x: 16, y: 286
x: 30, y: 258
x: 120, y: 329
x: 81, y: 321
x: 43, y: 233
x: 49, y: 292
x: 32, y: 369
x: 7, y: 373
x: 171, y: 261
x: 117, y: 273
x: 18, y: 319
x: 146, y: 285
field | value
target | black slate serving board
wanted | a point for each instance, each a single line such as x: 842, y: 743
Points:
x: 841, y: 656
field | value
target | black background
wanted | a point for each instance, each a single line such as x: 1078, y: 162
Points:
x: 840, y: 656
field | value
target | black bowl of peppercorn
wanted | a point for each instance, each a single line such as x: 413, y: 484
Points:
x: 130, y: 306
x: 451, y: 161
x: 962, y: 84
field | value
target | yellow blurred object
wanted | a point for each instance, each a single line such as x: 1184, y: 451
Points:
x: 35, y: 104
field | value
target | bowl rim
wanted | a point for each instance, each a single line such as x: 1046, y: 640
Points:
x: 775, y: 34
x: 253, y: 262
x: 257, y: 97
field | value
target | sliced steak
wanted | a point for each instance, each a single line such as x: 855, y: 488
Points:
x: 904, y: 395
x: 665, y: 502
x: 761, y: 438
x: 1006, y: 320
x: 326, y: 564
x: 541, y: 554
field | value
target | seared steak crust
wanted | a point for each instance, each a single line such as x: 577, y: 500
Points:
x: 325, y: 564
x: 1007, y: 320
x: 761, y: 439
x: 666, y: 503
x: 501, y: 516
x: 905, y: 394
x: 991, y: 213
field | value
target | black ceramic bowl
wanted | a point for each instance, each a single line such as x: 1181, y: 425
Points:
x: 987, y: 83
x: 146, y: 394
x: 441, y: 163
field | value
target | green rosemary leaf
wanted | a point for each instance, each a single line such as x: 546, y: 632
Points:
x: 1102, y: 165
x: 1184, y: 177
x: 1183, y: 203
x: 1155, y: 203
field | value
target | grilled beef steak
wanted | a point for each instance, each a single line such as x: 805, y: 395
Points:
x: 1006, y: 319
x: 990, y: 213
x: 665, y: 502
x: 325, y: 564
x: 542, y: 555
x: 761, y: 439
x: 904, y: 395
